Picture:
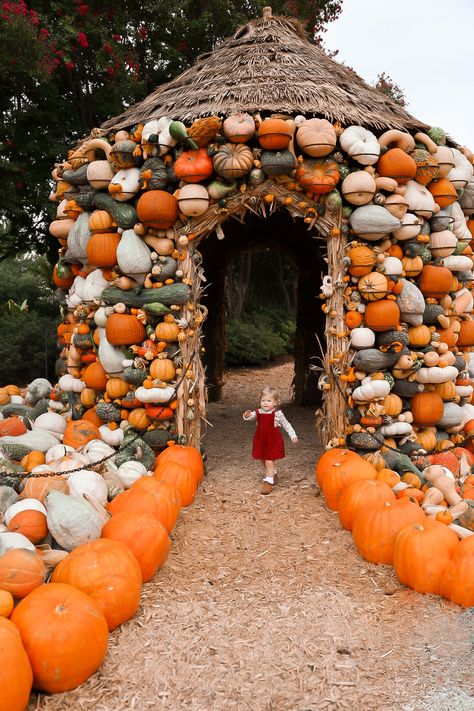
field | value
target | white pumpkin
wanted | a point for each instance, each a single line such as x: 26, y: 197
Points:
x: 99, y: 174
x: 466, y: 200
x: 72, y: 521
x: 88, y: 482
x: 409, y: 229
x: 74, y: 461
x: 193, y: 200
x: 393, y: 266
x: 463, y: 302
x: 420, y: 200
x: 396, y: 429
x: 69, y: 384
x: 129, y: 472
x: 459, y: 226
x: 111, y: 357
x: 457, y: 263
x: 96, y: 450
x: 371, y: 390
x: 361, y: 144
x: 452, y: 416
x: 461, y: 173
x: 46, y: 468
x: 52, y: 422
x: 362, y: 337
x: 133, y: 255
x: 114, y: 438
x: 445, y: 159
x: 125, y: 184
x: 155, y: 394
x: 100, y: 317
x: 58, y: 452
x: 10, y: 540
x: 435, y: 374
x: 373, y: 222
x: 443, y: 243
x: 23, y: 505
x: 17, y: 400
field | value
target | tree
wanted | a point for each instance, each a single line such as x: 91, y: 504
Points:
x: 387, y: 86
x: 65, y: 68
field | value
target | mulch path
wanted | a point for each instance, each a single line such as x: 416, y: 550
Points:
x: 265, y: 605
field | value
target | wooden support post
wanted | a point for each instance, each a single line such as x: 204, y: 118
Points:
x: 335, y: 399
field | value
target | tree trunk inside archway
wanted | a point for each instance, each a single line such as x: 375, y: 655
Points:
x: 279, y: 232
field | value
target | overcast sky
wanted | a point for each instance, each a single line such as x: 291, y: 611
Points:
x: 427, y: 48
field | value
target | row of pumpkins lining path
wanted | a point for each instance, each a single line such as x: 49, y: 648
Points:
x: 265, y: 604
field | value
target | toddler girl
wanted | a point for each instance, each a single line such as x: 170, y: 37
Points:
x: 268, y: 442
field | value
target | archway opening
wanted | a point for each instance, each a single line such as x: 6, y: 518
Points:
x: 288, y: 242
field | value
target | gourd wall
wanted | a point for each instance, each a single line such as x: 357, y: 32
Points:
x: 130, y: 338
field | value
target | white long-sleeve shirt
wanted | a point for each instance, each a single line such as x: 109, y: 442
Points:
x: 280, y: 420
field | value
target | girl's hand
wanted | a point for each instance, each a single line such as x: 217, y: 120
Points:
x: 295, y: 440
x: 247, y: 413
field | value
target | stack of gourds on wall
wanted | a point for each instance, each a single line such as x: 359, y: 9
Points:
x: 408, y: 296
x: 94, y: 539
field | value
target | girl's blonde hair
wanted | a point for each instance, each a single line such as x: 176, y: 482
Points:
x: 274, y: 392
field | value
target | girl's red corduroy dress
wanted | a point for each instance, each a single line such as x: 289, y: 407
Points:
x: 267, y: 440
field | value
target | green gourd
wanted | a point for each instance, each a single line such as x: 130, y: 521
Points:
x: 156, y: 309
x: 76, y: 177
x: 108, y: 411
x: 133, y: 448
x: 158, y: 438
x: 169, y: 294
x: 123, y: 213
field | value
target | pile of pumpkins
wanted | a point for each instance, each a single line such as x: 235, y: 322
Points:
x: 393, y: 525
x: 75, y: 548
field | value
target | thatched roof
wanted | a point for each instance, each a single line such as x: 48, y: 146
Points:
x: 269, y: 65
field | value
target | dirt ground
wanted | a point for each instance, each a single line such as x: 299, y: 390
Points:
x: 265, y: 605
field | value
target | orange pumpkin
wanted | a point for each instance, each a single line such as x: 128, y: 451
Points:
x: 466, y: 333
x: 92, y: 416
x: 21, y: 571
x: 46, y: 618
x: 12, y: 426
x: 389, y: 476
x: 7, y: 603
x: 193, y: 166
x: 79, y: 432
x: 188, y: 456
x: 147, y: 495
x: 397, y: 164
x: 443, y: 192
x: 179, y: 476
x: 427, y: 409
x: 362, y: 260
x: 457, y: 583
x: 16, y: 676
x: 108, y: 572
x: 341, y: 475
x: 318, y: 177
x: 376, y: 527
x: 124, y: 329
x: 157, y: 209
x: 30, y: 523
x: 138, y: 418
x: 332, y: 459
x: 358, y: 495
x: 38, y: 487
x: 63, y: 278
x: 116, y: 388
x: 353, y: 319
x: 95, y: 376
x: 421, y: 554
x: 274, y: 134
x: 146, y: 537
x: 162, y: 369
x: 434, y: 281
x: 382, y: 315
x: 102, y: 249
x: 167, y: 330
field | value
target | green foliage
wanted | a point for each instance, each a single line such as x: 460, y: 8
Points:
x: 387, y: 86
x: 28, y: 320
x: 259, y: 337
x: 66, y: 67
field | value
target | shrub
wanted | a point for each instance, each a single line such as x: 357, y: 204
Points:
x: 259, y: 337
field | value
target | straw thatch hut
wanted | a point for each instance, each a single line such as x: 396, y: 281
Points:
x: 273, y: 74
x: 271, y: 67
